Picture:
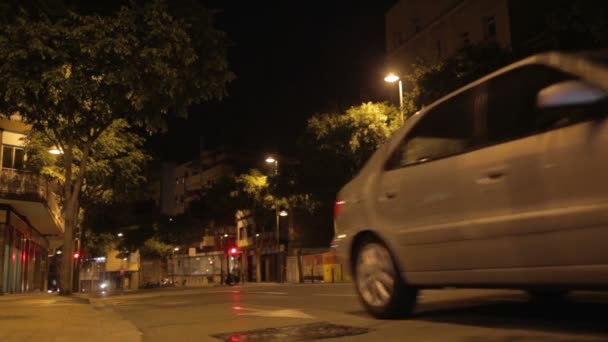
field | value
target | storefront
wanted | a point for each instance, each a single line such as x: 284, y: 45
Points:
x: 24, y: 254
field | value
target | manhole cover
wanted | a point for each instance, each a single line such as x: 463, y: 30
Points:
x: 307, y: 332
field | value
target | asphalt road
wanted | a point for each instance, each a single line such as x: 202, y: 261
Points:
x: 310, y: 312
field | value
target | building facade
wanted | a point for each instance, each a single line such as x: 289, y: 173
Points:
x: 192, y: 176
x: 433, y: 30
x: 30, y: 218
x: 430, y: 31
x: 260, y: 255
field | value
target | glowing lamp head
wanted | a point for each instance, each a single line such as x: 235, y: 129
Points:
x: 391, y: 78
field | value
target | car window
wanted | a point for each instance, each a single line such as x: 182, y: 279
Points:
x: 445, y: 130
x: 512, y: 112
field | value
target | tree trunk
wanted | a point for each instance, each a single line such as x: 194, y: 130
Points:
x: 67, y: 267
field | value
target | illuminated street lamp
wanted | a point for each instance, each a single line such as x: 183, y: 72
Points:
x: 55, y: 151
x: 392, y: 78
x: 272, y: 160
x: 119, y: 234
x: 176, y: 249
x: 283, y: 213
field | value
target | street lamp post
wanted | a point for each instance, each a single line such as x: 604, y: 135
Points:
x: 176, y: 249
x: 391, y: 78
x: 278, y: 214
x: 275, y: 162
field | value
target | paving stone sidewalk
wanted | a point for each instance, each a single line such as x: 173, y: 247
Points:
x: 53, y: 318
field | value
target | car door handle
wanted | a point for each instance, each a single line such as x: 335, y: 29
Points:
x: 491, y: 177
x: 389, y: 195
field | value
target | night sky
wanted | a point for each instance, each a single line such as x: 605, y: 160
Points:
x: 292, y: 60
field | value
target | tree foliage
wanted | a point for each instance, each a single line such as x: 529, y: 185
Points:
x: 333, y: 150
x: 115, y: 167
x: 75, y: 77
x: 154, y: 248
x: 98, y: 244
x: 354, y: 135
x: 430, y: 81
x: 217, y: 204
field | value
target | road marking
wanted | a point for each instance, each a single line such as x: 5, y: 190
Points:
x: 267, y: 292
x: 288, y: 313
x: 175, y: 303
x: 334, y: 295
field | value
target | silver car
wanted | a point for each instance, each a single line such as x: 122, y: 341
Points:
x: 503, y: 183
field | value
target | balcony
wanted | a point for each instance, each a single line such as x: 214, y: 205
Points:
x: 33, y: 196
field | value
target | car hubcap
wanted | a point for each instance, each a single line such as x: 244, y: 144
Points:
x: 375, y: 275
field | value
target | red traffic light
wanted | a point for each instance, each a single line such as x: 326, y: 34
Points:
x: 233, y: 250
x: 76, y: 255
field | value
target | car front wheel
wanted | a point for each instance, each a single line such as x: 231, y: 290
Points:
x: 379, y: 283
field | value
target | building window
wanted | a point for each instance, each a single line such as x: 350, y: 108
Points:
x: 466, y: 39
x: 438, y: 49
x: 13, y: 157
x: 417, y: 26
x: 397, y: 39
x: 489, y: 27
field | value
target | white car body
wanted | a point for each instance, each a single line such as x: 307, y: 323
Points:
x: 529, y: 211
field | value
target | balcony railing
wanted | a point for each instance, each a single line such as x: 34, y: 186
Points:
x: 26, y: 186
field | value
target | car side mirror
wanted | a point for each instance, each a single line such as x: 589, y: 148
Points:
x: 569, y: 93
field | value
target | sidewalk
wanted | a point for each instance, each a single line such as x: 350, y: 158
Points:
x: 49, y: 317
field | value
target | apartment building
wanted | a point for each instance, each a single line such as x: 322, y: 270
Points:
x: 30, y: 218
x: 419, y: 30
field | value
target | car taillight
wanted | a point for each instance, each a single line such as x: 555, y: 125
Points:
x: 338, y: 207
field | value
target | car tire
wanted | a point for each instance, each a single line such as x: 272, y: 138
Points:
x: 550, y: 295
x: 379, y: 282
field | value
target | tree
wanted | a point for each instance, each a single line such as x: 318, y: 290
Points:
x: 217, y: 204
x: 98, y: 245
x: 333, y: 150
x: 351, y: 137
x: 155, y: 249
x: 115, y: 167
x: 73, y: 77
x: 430, y: 81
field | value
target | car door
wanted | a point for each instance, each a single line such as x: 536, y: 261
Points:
x: 419, y: 196
x: 518, y: 181
x: 576, y: 167
x: 504, y: 179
